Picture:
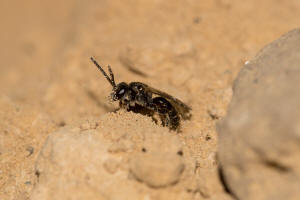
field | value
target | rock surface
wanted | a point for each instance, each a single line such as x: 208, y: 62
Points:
x: 260, y: 137
x: 160, y: 164
x: 22, y: 133
x: 113, y: 158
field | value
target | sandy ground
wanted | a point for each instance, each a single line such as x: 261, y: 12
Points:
x: 190, y: 49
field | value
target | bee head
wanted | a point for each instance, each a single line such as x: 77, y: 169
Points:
x: 119, y: 91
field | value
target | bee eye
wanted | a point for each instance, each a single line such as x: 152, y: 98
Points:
x: 122, y: 91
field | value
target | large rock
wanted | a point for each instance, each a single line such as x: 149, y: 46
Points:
x: 259, y: 146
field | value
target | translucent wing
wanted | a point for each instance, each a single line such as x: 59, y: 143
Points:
x: 182, y: 108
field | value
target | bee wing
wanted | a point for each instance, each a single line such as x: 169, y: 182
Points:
x: 182, y: 108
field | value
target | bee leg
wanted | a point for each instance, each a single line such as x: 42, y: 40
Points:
x: 124, y: 106
x: 168, y: 114
x: 164, y: 119
x: 174, y: 120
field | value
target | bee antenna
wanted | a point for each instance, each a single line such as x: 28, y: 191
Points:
x: 112, y: 77
x: 111, y: 81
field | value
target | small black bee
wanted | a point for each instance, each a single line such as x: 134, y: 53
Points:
x: 138, y: 97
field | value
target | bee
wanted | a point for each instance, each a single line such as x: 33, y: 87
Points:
x: 141, y: 98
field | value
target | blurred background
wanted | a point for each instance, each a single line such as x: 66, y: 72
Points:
x: 46, y: 45
x: 36, y: 35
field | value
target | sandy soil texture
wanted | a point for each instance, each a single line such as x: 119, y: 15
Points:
x: 190, y: 49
